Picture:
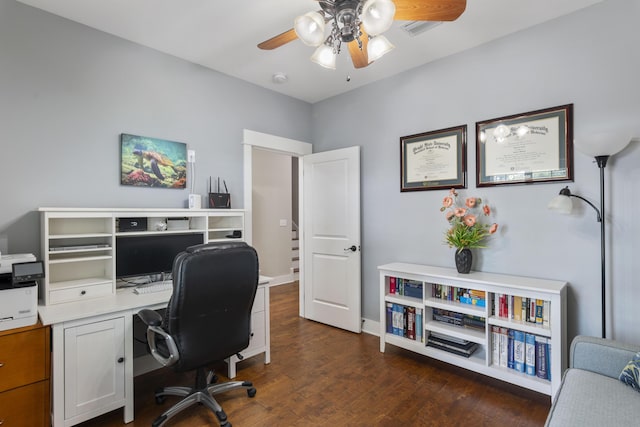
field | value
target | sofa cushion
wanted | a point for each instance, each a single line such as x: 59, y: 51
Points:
x: 589, y: 399
x: 630, y: 375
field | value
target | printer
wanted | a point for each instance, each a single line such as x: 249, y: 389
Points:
x: 19, y: 290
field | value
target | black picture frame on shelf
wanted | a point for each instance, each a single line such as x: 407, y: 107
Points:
x: 434, y: 160
x: 525, y: 148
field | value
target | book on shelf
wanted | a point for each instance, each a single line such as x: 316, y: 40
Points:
x: 419, y: 325
x: 530, y: 354
x: 392, y: 285
x: 518, y: 351
x: 542, y: 363
x: 404, y: 321
x: 503, y: 344
x: 522, y: 309
x: 510, y: 359
x: 453, y: 347
x: 411, y: 322
x: 495, y: 345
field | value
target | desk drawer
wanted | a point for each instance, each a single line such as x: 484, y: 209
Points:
x: 26, y: 406
x: 77, y: 294
x: 258, y: 303
x: 22, y: 356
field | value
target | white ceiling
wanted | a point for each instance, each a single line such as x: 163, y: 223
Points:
x: 222, y: 35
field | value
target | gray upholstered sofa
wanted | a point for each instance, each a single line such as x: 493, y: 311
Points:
x: 591, y: 393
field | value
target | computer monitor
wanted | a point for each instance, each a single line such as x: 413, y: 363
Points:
x: 146, y: 255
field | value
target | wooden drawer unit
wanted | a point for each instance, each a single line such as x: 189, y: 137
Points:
x: 25, y: 361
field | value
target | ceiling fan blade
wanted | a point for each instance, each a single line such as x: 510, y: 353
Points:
x: 429, y: 10
x: 360, y: 57
x: 279, y: 40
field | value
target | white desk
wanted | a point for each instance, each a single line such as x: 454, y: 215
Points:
x: 92, y: 351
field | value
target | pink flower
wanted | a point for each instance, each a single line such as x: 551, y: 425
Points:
x: 452, y: 192
x: 486, y: 210
x: 459, y: 212
x: 447, y: 202
x: 493, y: 228
x: 448, y: 215
x: 469, y: 220
x: 470, y: 202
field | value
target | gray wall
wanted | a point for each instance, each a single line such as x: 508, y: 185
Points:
x: 68, y: 91
x: 590, y: 59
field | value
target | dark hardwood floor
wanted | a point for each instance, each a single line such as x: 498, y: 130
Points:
x: 322, y: 376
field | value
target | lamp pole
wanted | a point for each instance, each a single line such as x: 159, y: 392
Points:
x: 601, y: 161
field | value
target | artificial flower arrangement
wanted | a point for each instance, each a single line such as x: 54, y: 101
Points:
x: 466, y: 230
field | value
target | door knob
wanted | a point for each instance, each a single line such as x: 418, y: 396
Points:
x: 353, y: 248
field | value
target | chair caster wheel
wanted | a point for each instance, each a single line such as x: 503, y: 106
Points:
x: 251, y: 392
x: 214, y: 379
x: 160, y: 400
x: 225, y: 424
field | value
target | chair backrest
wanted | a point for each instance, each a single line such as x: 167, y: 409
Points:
x: 209, y: 313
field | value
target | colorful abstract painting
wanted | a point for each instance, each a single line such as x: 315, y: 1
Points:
x: 152, y: 162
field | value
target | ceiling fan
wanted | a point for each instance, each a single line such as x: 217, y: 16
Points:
x: 360, y: 24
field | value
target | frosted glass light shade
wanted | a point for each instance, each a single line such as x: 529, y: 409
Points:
x: 561, y: 204
x: 325, y: 57
x: 602, y: 143
x: 377, y: 16
x: 378, y: 47
x: 310, y: 28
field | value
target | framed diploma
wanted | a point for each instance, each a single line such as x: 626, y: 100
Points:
x: 434, y: 160
x: 525, y: 148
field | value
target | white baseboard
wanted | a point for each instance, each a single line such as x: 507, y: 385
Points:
x: 281, y: 280
x: 370, y: 327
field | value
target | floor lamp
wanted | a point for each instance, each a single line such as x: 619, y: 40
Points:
x: 601, y: 146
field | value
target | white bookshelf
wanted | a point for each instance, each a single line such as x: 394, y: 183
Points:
x: 483, y: 360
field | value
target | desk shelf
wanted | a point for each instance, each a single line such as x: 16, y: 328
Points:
x: 79, y: 244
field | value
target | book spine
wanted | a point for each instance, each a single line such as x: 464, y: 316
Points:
x: 504, y: 348
x: 517, y: 308
x: 539, y: 308
x: 495, y: 345
x: 411, y: 323
x: 389, y: 310
x: 518, y: 351
x: 405, y: 321
x: 541, y: 358
x: 532, y: 310
x: 392, y: 285
x: 530, y: 354
x: 397, y: 319
x: 510, y: 349
x: 419, y: 325
x: 546, y: 313
x: 524, y: 310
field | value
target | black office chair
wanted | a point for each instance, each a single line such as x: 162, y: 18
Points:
x: 207, y: 320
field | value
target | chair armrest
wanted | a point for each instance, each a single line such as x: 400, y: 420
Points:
x: 150, y: 317
x: 602, y: 356
x: 164, y: 350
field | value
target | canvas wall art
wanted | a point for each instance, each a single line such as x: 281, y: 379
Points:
x: 152, y: 162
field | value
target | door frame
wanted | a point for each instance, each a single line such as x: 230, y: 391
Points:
x: 298, y: 149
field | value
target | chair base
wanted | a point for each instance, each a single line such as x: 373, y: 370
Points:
x: 203, y: 393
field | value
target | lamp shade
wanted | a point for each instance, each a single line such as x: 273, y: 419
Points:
x: 377, y: 16
x: 561, y: 204
x: 325, y: 56
x: 310, y: 28
x: 377, y: 47
x: 602, y: 143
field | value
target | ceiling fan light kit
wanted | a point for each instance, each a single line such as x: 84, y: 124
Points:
x: 360, y: 24
x: 310, y: 28
x: 378, y: 46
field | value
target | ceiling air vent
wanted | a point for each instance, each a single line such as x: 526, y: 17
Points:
x: 418, y: 27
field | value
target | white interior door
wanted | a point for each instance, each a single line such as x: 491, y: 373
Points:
x: 331, y: 248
